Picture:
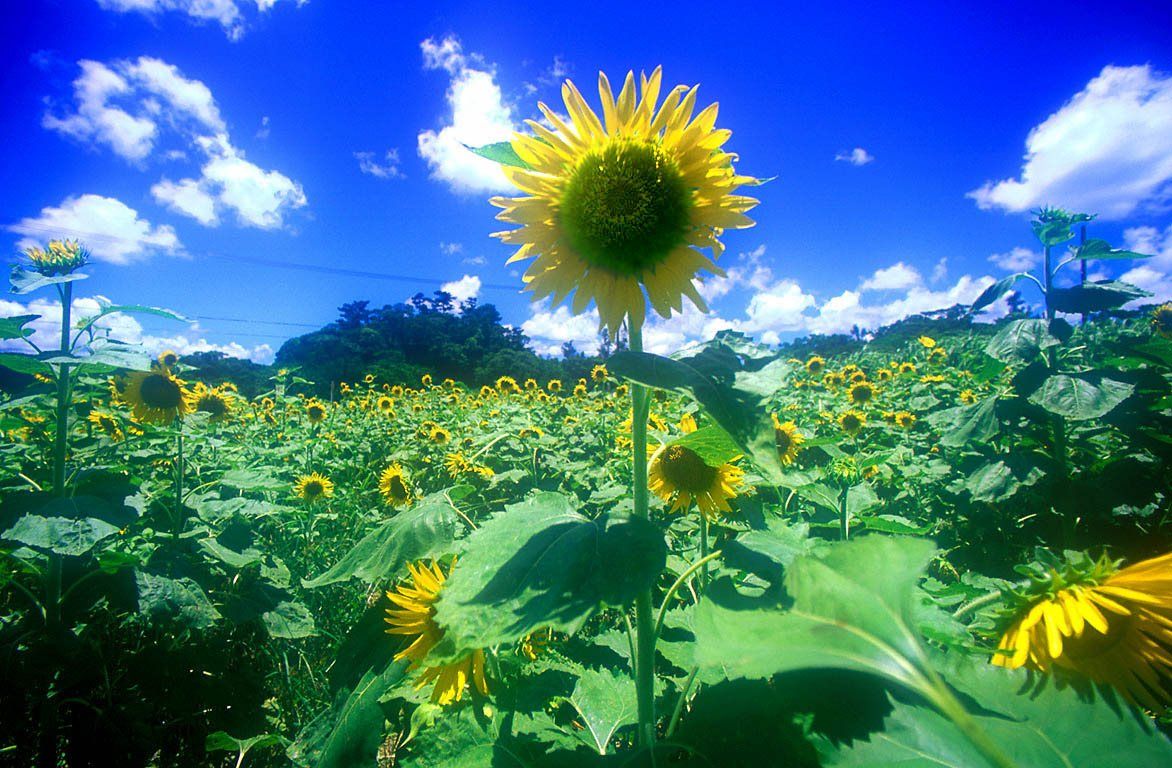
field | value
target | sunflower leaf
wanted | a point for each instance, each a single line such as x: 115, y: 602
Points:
x: 606, y: 702
x: 501, y: 152
x: 542, y: 564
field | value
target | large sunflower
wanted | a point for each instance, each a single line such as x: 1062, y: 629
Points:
x: 414, y: 617
x: 155, y: 396
x: 215, y: 402
x: 394, y: 486
x: 679, y: 476
x: 1113, y: 626
x: 620, y: 205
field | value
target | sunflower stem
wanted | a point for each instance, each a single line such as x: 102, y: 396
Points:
x: 703, y: 551
x: 644, y: 661
x: 844, y: 523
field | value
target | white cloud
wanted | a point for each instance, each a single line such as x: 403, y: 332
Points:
x: 846, y: 310
x: 474, y: 261
x: 857, y: 156
x: 450, y: 248
x: 265, y: 128
x: 467, y: 287
x: 189, y: 198
x: 388, y: 169
x: 151, y: 96
x: 897, y: 277
x: 126, y: 328
x: 549, y: 330
x: 940, y: 271
x: 1018, y: 260
x: 226, y: 13
x: 111, y: 230
x: 1107, y: 151
x: 479, y: 116
x: 1154, y: 274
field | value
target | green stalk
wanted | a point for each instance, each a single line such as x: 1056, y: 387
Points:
x: 1058, y: 423
x: 844, y: 524
x: 703, y: 551
x: 644, y: 661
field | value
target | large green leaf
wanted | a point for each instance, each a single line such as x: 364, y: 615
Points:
x: 606, y: 702
x: 712, y: 444
x: 967, y: 424
x: 60, y: 535
x: 463, y: 740
x: 733, y: 387
x: 426, y: 530
x: 289, y: 619
x: 996, y: 481
x: 29, y: 364
x: 1044, y: 728
x: 1101, y: 249
x: 348, y: 733
x: 14, y: 327
x: 1079, y: 398
x: 541, y: 564
x: 1094, y: 297
x: 182, y: 598
x: 26, y: 280
x: 996, y: 291
x: 1021, y: 341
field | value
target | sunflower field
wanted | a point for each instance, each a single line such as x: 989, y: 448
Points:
x: 950, y: 550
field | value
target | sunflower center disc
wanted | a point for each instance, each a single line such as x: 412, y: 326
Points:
x: 160, y: 392
x: 687, y: 471
x: 213, y: 405
x: 625, y: 207
x: 313, y: 488
x: 782, y: 439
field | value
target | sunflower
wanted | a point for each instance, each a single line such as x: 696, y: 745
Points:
x: 425, y: 379
x: 397, y: 390
x: 620, y: 205
x: 905, y: 419
x: 168, y: 358
x: 414, y: 617
x: 1162, y: 320
x: 554, y: 385
x: 815, y: 365
x: 862, y: 393
x: 599, y: 373
x: 852, y: 421
x: 927, y: 342
x: 155, y: 396
x: 527, y: 432
x: 315, y: 411
x: 107, y: 424
x: 789, y: 440
x: 314, y: 486
x: 394, y: 486
x: 507, y: 384
x: 688, y: 423
x: 968, y: 397
x: 59, y: 257
x: 884, y: 374
x: 938, y: 356
x: 833, y: 379
x: 907, y: 368
x: 579, y: 390
x: 385, y: 404
x: 439, y: 435
x: 857, y: 376
x: 214, y: 402
x: 368, y: 378
x: 679, y: 476
x: 1113, y: 626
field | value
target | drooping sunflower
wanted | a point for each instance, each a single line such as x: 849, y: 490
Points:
x: 156, y: 396
x: 862, y: 393
x: 394, y: 486
x: 1162, y: 320
x: 425, y: 379
x: 314, y: 486
x: 107, y: 423
x: 414, y: 616
x: 214, y: 402
x: 852, y: 422
x: 620, y: 205
x: 679, y: 476
x: 789, y: 440
x: 1109, y: 624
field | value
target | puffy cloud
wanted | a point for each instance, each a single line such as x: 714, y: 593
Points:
x: 479, y: 116
x: 450, y: 248
x: 126, y: 105
x: 388, y: 169
x: 1018, y: 260
x: 226, y: 13
x: 857, y: 156
x: 1107, y: 151
x: 847, y: 310
x: 549, y: 330
x: 47, y: 329
x: 898, y: 276
x: 1154, y: 274
x: 111, y: 230
x: 467, y: 287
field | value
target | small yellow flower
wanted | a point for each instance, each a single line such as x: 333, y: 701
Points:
x: 527, y: 432
x: 907, y: 368
x: 968, y: 397
x: 1162, y: 320
x: 316, y: 411
x: 815, y: 365
x: 688, y: 423
x: 425, y: 379
x: 439, y: 435
x: 314, y: 486
x: 599, y: 373
x: 554, y: 385
x: 852, y: 422
x: 905, y: 419
x: 927, y: 342
x: 789, y: 440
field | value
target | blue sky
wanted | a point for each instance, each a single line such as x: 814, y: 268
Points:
x: 200, y: 148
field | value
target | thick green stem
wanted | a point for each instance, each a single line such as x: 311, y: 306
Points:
x: 844, y: 523
x: 644, y: 629
x: 948, y: 706
x: 703, y: 552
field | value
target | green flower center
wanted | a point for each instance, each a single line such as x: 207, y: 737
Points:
x: 626, y: 207
x: 213, y: 405
x: 160, y: 392
x: 686, y: 471
x: 313, y: 488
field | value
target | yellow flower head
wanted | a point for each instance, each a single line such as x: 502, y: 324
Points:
x: 314, y: 486
x: 397, y: 390
x: 862, y: 393
x: 413, y: 616
x: 507, y: 385
x: 394, y: 486
x: 216, y: 403
x: 815, y: 365
x: 927, y: 342
x: 316, y: 411
x: 368, y: 378
x: 58, y: 257
x: 884, y: 374
x: 688, y: 423
x: 425, y: 380
x: 1112, y: 626
x: 789, y: 440
x: 1162, y: 320
x: 907, y: 368
x: 599, y: 373
x: 107, y: 423
x: 905, y: 419
x: 385, y: 404
x: 579, y: 390
x: 531, y: 385
x: 968, y: 397
x: 554, y: 385
x: 679, y: 476
x: 938, y: 355
x: 527, y: 432
x: 439, y: 435
x: 168, y: 358
x: 619, y: 205
x: 852, y: 421
x: 155, y: 396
